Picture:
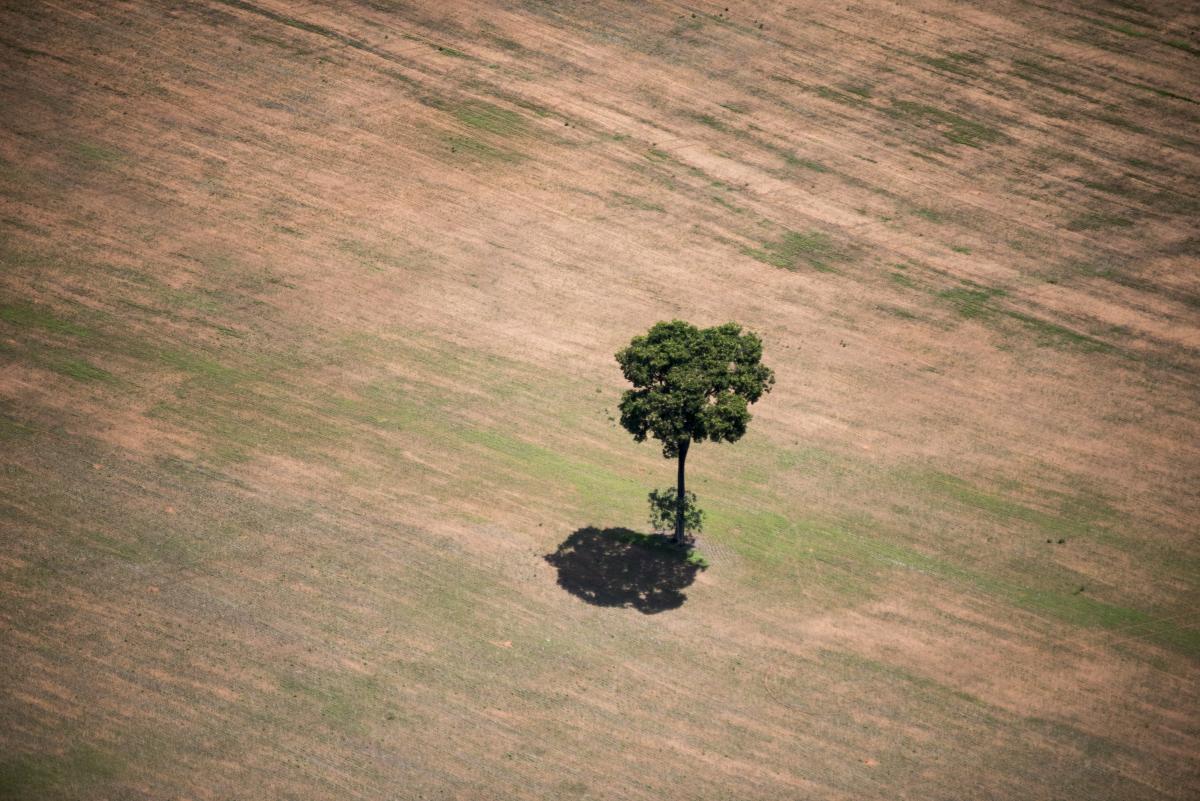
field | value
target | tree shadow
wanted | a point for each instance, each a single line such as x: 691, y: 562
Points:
x: 619, y: 567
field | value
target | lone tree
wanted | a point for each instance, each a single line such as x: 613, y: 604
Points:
x: 691, y: 384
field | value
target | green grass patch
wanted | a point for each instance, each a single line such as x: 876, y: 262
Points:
x: 860, y: 557
x: 795, y: 161
x: 480, y: 151
x: 289, y: 47
x: 12, y: 428
x: 386, y: 406
x: 446, y: 50
x: 504, y: 43
x: 723, y: 203
x: 711, y: 122
x: 1040, y: 69
x: 1161, y: 92
x: 1179, y: 44
x: 489, y: 117
x: 797, y: 248
x: 765, y: 536
x: 1054, y: 335
x: 81, y: 370
x: 79, y: 772
x: 1075, y: 516
x: 342, y: 701
x: 201, y: 367
x: 1117, y: 121
x: 956, y: 63
x: 844, y: 662
x: 28, y: 315
x: 1078, y: 609
x: 636, y: 202
x: 598, y: 489
x: 1037, y: 73
x: 1094, y: 221
x: 380, y: 259
x: 896, y: 311
x: 135, y: 550
x: 855, y: 100
x: 97, y: 155
x: 958, y: 129
x: 1120, y: 27
x: 971, y: 300
x: 974, y: 301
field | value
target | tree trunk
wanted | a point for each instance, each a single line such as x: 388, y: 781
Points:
x: 680, y: 496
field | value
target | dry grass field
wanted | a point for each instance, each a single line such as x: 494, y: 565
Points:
x: 307, y: 322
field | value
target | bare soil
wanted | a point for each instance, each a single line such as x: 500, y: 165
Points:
x: 307, y: 322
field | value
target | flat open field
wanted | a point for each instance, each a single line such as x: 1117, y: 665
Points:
x: 307, y: 322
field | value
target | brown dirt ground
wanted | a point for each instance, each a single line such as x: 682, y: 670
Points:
x: 307, y: 314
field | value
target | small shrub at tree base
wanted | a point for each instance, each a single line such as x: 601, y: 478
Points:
x: 663, y: 507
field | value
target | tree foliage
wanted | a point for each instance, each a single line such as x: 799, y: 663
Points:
x: 691, y: 384
x: 663, y: 506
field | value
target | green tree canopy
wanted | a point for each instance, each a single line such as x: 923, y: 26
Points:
x: 691, y: 384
